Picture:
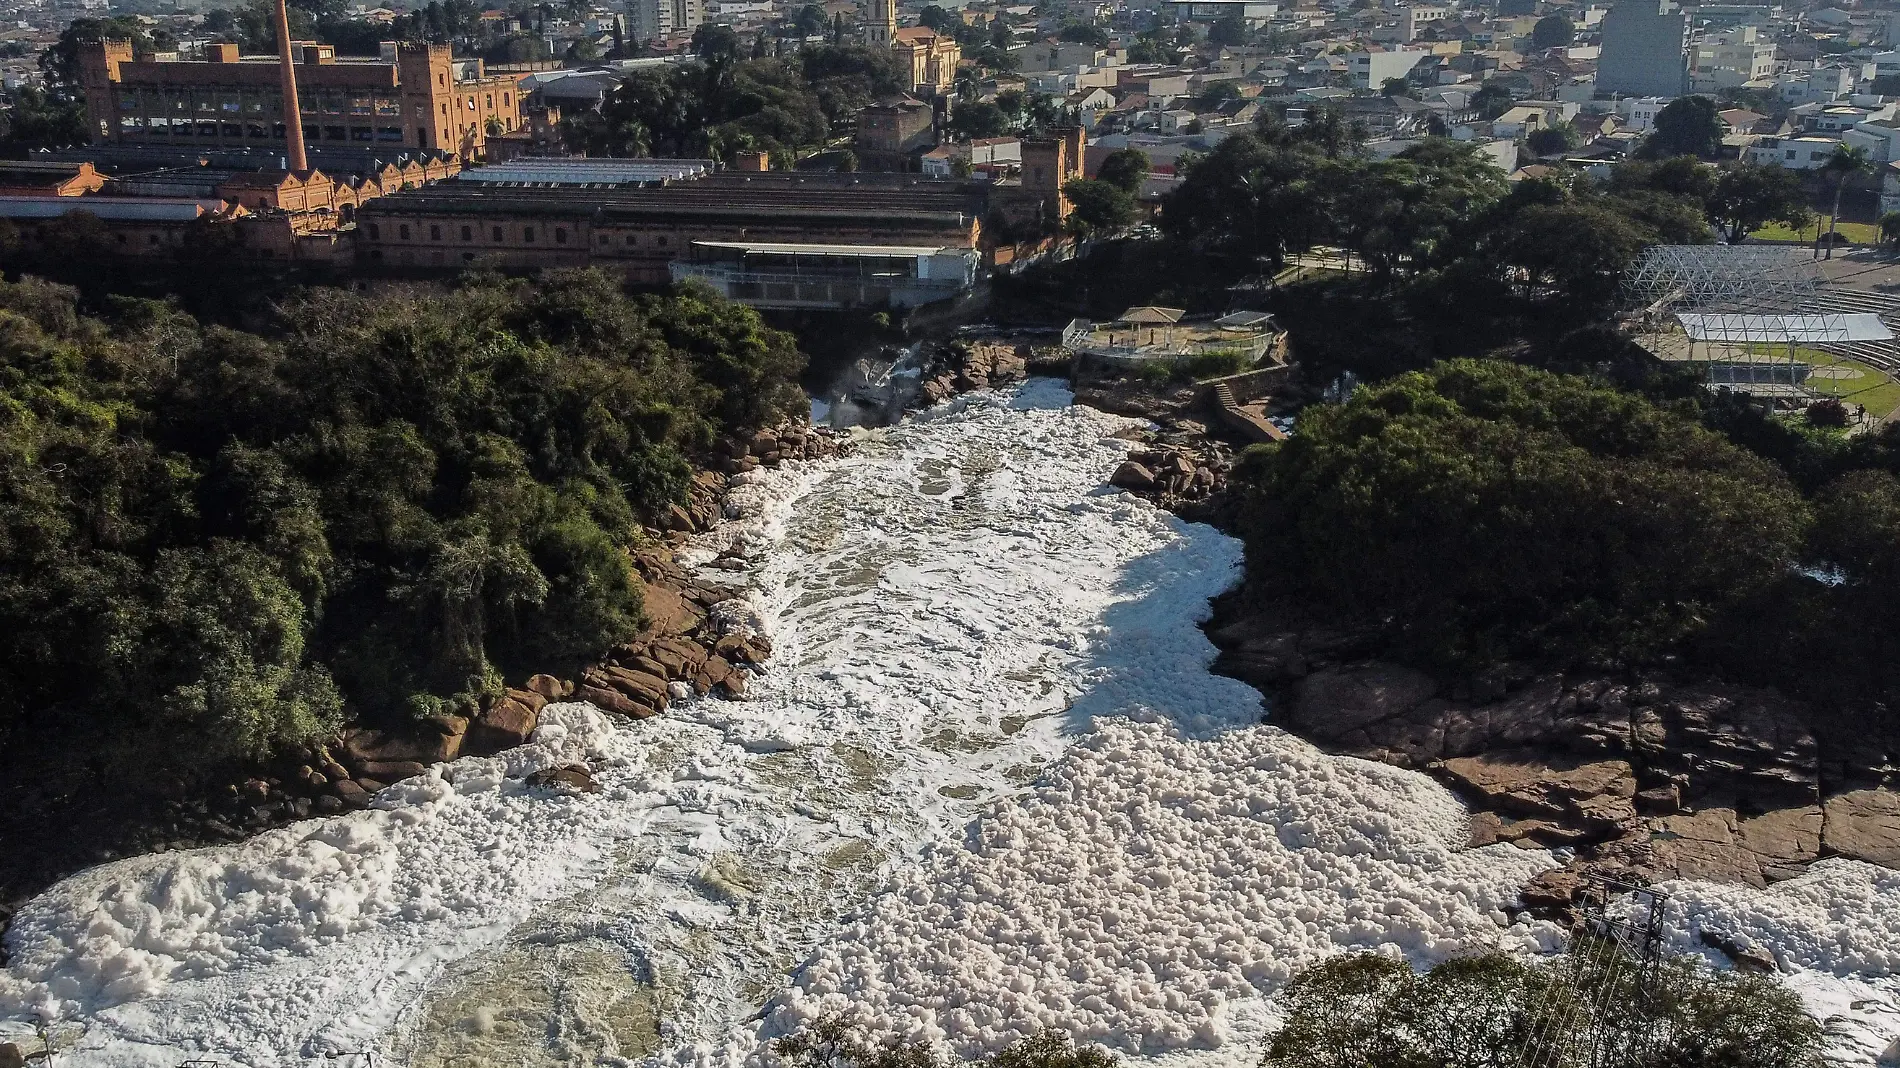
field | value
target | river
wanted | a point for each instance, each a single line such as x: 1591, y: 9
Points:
x: 987, y: 784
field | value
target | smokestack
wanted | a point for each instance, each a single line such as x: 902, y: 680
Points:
x: 293, y: 114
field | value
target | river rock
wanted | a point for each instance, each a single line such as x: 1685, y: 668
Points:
x: 349, y: 793
x: 547, y: 686
x: 1331, y: 704
x: 571, y: 777
x: 392, y: 770
x: 12, y: 1056
x: 1133, y: 476
x: 504, y: 724
x: 1864, y: 825
x: 1746, y: 955
x: 641, y: 686
x: 612, y: 700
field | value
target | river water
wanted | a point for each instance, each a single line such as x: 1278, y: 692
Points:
x: 986, y: 785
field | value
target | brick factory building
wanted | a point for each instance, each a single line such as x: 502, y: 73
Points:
x: 416, y: 97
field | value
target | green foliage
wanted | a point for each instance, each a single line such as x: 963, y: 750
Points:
x: 1099, y: 206
x: 1126, y: 169
x: 978, y: 118
x: 230, y: 542
x: 1553, y: 140
x: 843, y: 1041
x: 1481, y: 1012
x: 1489, y: 510
x: 729, y: 104
x: 34, y: 118
x: 1553, y: 31
x: 1686, y: 126
x: 1748, y: 196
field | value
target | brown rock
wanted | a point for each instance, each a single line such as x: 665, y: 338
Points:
x: 348, y: 792
x: 1660, y: 800
x: 1527, y: 784
x: 649, y: 665
x: 572, y: 777
x: 690, y: 653
x: 739, y: 649
x: 1746, y: 955
x: 504, y: 724
x: 1864, y: 825
x: 732, y: 686
x: 1133, y: 476
x: 677, y: 518
x: 639, y: 685
x: 612, y: 701
x: 1331, y: 703
x: 667, y: 611
x: 534, y: 701
x: 393, y: 770
x: 1550, y: 890
x: 716, y: 669
x: 12, y: 1056
x: 548, y: 686
x: 1704, y: 845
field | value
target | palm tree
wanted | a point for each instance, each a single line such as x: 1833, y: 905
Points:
x: 1847, y: 160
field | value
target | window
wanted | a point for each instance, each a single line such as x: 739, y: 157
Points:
x: 468, y: 233
x: 403, y: 231
x: 232, y: 129
x: 468, y: 257
x: 360, y: 133
x: 632, y: 240
x: 335, y: 133
x: 121, y: 238
x: 603, y: 239
x: 527, y: 234
x: 490, y: 101
x: 504, y: 100
x: 151, y: 239
x: 662, y: 242
x: 376, y: 255
x: 375, y: 232
x: 435, y: 233
x: 498, y: 236
x: 560, y: 235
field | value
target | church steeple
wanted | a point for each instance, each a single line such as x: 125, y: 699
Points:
x: 881, y: 28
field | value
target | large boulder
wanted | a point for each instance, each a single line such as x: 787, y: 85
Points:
x: 504, y: 724
x: 1333, y: 703
x: 1864, y: 825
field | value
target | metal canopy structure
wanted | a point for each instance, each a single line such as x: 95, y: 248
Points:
x: 1761, y: 279
x: 1803, y: 329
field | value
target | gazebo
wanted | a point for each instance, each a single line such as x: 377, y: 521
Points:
x: 1149, y: 316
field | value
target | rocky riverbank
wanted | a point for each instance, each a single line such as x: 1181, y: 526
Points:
x: 688, y: 645
x: 1644, y: 776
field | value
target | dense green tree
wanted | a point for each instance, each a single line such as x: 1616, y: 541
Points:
x: 1249, y: 199
x: 1082, y: 33
x: 1126, y: 169
x: 1748, y: 196
x: 1229, y: 29
x: 1486, y: 509
x: 1552, y: 31
x: 1552, y: 140
x: 978, y: 118
x: 231, y: 542
x: 1686, y: 126
x: 1099, y: 206
x: 34, y: 118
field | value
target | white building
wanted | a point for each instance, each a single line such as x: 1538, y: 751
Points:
x: 1794, y: 153
x: 1639, y: 113
x: 1371, y: 70
x: 1729, y: 59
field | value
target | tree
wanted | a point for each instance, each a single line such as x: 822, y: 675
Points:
x: 1748, y: 196
x: 1890, y: 229
x: 939, y: 19
x: 1491, y: 100
x: 1248, y: 199
x: 977, y: 118
x: 1229, y: 29
x: 1845, y: 162
x: 1552, y: 140
x: 1082, y: 33
x: 1482, y: 510
x: 1686, y: 126
x: 1552, y: 31
x: 34, y: 118
x: 1581, y: 249
x: 717, y: 44
x: 1126, y: 169
x: 1099, y: 206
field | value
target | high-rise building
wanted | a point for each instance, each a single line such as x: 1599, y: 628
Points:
x: 652, y: 19
x: 412, y: 96
x: 1644, y: 45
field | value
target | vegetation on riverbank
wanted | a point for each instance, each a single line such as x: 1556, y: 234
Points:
x: 217, y: 544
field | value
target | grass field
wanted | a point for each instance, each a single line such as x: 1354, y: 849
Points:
x: 1858, y: 233
x: 1858, y: 384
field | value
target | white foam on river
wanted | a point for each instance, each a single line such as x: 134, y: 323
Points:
x: 987, y: 784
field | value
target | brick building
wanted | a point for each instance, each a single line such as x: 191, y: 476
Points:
x: 48, y: 178
x: 642, y: 230
x: 412, y: 96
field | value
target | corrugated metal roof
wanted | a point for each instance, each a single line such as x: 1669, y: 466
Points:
x: 587, y: 171
x: 829, y: 250
x: 129, y: 209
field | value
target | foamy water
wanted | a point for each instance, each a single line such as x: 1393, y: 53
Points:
x: 986, y: 785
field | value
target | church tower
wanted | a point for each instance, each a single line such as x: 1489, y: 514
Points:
x: 881, y: 28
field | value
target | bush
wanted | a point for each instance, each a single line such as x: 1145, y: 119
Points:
x: 1484, y: 1011
x: 1485, y: 510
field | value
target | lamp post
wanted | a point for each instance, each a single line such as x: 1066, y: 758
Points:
x: 293, y: 114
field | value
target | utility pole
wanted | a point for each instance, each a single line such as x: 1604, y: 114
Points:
x: 293, y: 114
